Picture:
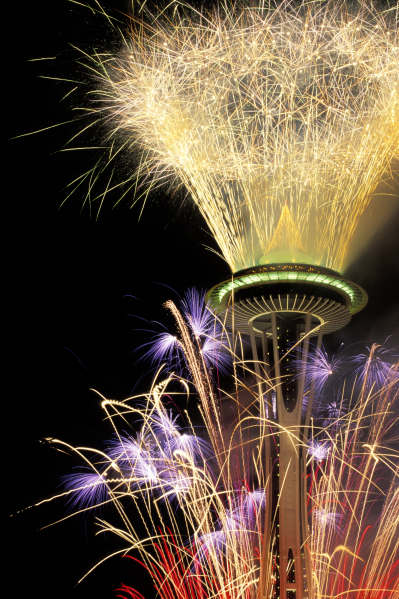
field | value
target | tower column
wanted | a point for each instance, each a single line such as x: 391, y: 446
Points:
x: 277, y: 370
x: 291, y: 301
x: 255, y: 358
x: 289, y: 429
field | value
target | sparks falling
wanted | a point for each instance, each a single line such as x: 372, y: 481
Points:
x: 203, y: 502
x: 279, y: 122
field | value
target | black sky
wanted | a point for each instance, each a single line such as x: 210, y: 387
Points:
x: 68, y: 285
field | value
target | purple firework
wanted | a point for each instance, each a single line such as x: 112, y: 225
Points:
x: 318, y: 450
x: 164, y: 424
x: 213, y: 354
x: 241, y: 523
x: 165, y: 348
x: 249, y: 506
x: 88, y: 488
x: 327, y: 519
x: 160, y: 461
x: 318, y: 367
x: 334, y: 411
x: 197, y: 313
x: 210, y: 544
x: 373, y: 367
x: 232, y: 524
x: 206, y: 332
x: 216, y: 544
x: 195, y: 448
x: 137, y: 459
x: 175, y: 479
x: 206, y: 329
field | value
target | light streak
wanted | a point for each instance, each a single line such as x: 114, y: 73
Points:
x: 207, y: 334
x: 319, y: 367
x: 373, y: 365
x: 210, y: 513
x: 318, y: 450
x: 279, y: 123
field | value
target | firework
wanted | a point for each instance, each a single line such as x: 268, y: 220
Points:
x: 279, y: 121
x: 373, y: 366
x: 207, y: 334
x: 204, y: 502
x: 318, y: 450
x: 350, y: 500
x: 318, y: 368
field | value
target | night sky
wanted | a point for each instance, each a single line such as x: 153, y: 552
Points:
x: 74, y: 289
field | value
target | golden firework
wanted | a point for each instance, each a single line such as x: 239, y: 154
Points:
x: 255, y: 111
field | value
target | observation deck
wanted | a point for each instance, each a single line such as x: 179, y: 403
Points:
x: 286, y: 304
x: 287, y: 288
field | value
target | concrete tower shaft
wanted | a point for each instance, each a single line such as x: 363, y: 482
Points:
x: 281, y: 306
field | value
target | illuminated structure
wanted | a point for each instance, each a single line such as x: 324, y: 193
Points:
x: 279, y: 122
x: 285, y: 305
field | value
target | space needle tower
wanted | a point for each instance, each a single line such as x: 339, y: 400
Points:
x: 284, y: 301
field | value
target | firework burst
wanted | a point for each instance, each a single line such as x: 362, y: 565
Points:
x: 209, y: 338
x: 279, y: 123
x: 278, y: 120
x: 207, y: 500
x: 374, y: 366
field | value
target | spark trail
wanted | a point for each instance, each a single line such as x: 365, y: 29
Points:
x: 279, y: 120
x: 203, y: 503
